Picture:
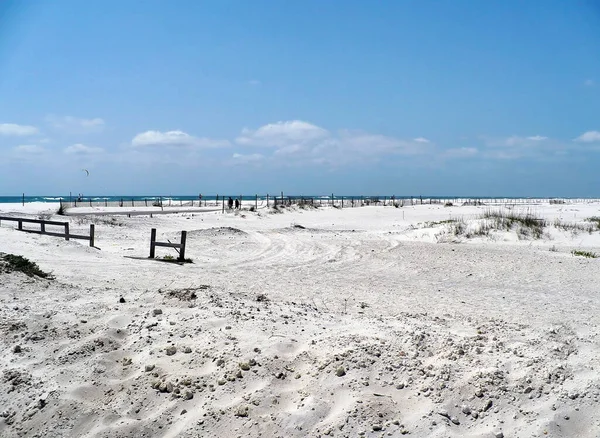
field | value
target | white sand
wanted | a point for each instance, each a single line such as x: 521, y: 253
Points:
x: 436, y: 334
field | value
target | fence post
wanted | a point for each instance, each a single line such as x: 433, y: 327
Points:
x: 152, y: 241
x: 182, y: 247
x: 223, y: 209
x: 342, y: 202
x: 67, y: 231
x: 92, y: 230
x: 23, y: 199
x: 267, y: 200
x: 256, y: 203
x: 43, y: 227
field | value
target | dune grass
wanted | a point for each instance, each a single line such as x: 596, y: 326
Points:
x: 588, y: 254
x: 17, y: 263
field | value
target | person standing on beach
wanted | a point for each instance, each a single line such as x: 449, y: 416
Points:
x: 237, y: 204
x: 230, y: 203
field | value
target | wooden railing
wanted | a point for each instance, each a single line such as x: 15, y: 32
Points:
x: 66, y: 234
x: 179, y: 247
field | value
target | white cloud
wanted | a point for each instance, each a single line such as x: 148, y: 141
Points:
x: 29, y: 149
x: 81, y: 149
x: 421, y: 140
x: 75, y: 125
x: 12, y: 129
x: 299, y: 143
x: 289, y: 150
x: 282, y: 134
x: 589, y: 137
x: 249, y: 158
x: 461, y: 152
x: 175, y: 138
x: 370, y: 144
x: 537, y: 138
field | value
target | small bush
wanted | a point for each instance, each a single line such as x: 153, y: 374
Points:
x: 527, y: 223
x: 594, y: 220
x: 448, y: 204
x: 252, y: 208
x: 18, y: 263
x: 587, y: 254
x: 553, y: 248
x: 61, y: 210
x: 574, y: 228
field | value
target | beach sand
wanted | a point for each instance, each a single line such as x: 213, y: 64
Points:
x: 370, y: 321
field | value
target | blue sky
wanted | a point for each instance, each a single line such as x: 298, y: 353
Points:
x: 498, y: 98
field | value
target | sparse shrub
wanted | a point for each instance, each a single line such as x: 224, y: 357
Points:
x: 574, y: 228
x: 594, y: 220
x: 262, y: 298
x: 19, y: 263
x: 458, y: 228
x: 252, y: 208
x: 588, y: 254
x: 448, y: 204
x: 61, y: 210
x: 528, y: 224
x: 553, y: 248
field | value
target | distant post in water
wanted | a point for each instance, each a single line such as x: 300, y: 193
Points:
x: 23, y: 199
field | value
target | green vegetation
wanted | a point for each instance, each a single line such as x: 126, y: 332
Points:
x: 527, y: 224
x: 170, y: 258
x: 595, y: 220
x: 12, y: 263
x: 588, y: 254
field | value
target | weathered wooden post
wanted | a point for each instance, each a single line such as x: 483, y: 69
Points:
x: 256, y: 203
x: 152, y: 242
x: 267, y: 200
x: 342, y: 202
x: 223, y: 209
x: 182, y: 247
x: 67, y: 231
x: 23, y: 199
x: 92, y: 231
x: 146, y: 202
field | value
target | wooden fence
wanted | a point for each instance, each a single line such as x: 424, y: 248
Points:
x: 65, y: 225
x: 179, y: 247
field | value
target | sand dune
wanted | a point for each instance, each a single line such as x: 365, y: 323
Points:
x: 367, y: 322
